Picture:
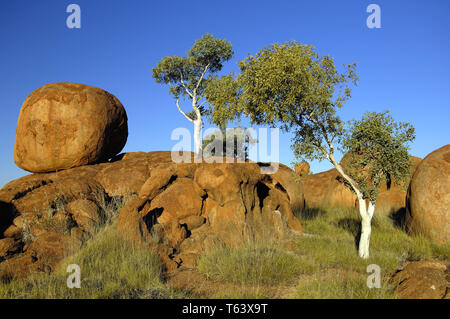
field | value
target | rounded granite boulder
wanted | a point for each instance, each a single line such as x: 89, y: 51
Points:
x: 428, y: 197
x: 65, y: 125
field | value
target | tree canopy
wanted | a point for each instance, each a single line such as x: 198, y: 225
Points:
x: 293, y: 87
x: 377, y: 152
x: 189, y: 76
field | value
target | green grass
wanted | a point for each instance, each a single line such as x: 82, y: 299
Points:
x: 110, y: 268
x: 254, y: 263
x: 331, y: 244
x: 334, y: 234
x: 322, y: 263
x: 323, y: 286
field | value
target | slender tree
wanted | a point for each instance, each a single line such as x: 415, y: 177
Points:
x: 189, y: 77
x: 377, y: 153
x: 291, y: 86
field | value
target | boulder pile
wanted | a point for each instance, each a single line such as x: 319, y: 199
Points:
x: 69, y: 136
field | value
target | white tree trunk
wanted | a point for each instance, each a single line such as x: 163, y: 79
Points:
x: 197, y: 137
x: 366, y: 228
x: 365, y: 211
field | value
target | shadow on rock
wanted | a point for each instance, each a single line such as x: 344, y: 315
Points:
x: 7, y: 214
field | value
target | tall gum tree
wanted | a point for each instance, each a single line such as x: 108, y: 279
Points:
x: 189, y: 77
x: 289, y: 85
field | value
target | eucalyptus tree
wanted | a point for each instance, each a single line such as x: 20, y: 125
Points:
x: 233, y: 142
x: 291, y: 86
x: 188, y: 77
x: 378, y: 153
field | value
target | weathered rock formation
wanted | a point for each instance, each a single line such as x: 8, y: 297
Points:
x: 428, y: 199
x: 302, y: 168
x: 65, y: 125
x: 422, y: 280
x: 190, y: 208
x: 46, y: 216
x: 325, y: 189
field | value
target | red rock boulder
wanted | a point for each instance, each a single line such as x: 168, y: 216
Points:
x: 428, y: 198
x: 65, y: 125
x: 422, y: 280
x: 302, y: 168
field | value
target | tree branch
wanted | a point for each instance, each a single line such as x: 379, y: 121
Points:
x: 181, y: 111
x: 350, y: 180
x: 330, y: 157
x: 201, y: 78
x: 184, y: 85
x: 203, y: 103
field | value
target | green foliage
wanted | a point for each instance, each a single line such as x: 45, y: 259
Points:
x: 216, y: 143
x: 189, y: 76
x: 291, y: 85
x: 222, y: 93
x: 378, y: 152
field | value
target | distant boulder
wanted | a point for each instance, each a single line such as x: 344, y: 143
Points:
x: 65, y: 125
x: 428, y: 198
x: 325, y: 189
x: 302, y: 168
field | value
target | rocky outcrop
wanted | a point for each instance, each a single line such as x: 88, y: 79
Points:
x: 190, y: 208
x: 428, y: 198
x: 422, y: 280
x: 65, y: 125
x: 289, y: 181
x: 69, y: 204
x: 174, y: 207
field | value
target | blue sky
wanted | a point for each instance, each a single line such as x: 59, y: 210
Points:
x: 403, y: 67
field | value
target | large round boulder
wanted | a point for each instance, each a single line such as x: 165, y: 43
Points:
x: 428, y: 197
x: 65, y: 125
